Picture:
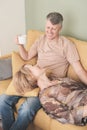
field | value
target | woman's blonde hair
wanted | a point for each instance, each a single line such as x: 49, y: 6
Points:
x: 24, y: 81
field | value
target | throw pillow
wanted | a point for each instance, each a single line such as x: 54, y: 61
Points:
x: 17, y: 62
x: 5, y: 68
x: 32, y: 36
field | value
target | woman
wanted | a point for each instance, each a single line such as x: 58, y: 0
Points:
x: 62, y: 98
x: 30, y: 77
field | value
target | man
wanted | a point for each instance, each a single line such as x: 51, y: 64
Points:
x: 47, y: 43
x: 54, y: 52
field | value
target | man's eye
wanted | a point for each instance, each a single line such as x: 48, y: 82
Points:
x: 54, y: 29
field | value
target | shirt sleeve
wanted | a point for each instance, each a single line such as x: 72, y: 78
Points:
x: 71, y: 51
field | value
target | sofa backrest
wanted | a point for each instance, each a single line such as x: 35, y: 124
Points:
x: 32, y: 35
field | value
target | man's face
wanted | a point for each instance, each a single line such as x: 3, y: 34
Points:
x: 52, y: 31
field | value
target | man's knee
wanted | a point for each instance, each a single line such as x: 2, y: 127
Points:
x: 2, y: 99
x: 2, y: 102
x: 33, y: 103
x: 30, y: 107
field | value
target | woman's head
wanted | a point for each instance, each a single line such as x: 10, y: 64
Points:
x: 24, y: 80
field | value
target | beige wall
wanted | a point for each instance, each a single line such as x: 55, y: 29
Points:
x: 12, y: 22
x: 74, y: 12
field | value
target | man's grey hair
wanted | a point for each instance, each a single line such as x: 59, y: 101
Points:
x: 55, y: 18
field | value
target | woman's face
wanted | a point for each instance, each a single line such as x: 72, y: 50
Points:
x: 35, y: 70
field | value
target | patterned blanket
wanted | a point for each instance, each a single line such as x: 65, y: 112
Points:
x: 65, y: 101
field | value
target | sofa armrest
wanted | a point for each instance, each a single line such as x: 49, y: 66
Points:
x: 5, y: 56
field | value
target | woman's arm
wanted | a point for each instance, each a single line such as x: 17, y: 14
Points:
x: 43, y: 81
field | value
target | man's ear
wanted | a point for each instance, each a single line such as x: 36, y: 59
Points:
x: 60, y: 27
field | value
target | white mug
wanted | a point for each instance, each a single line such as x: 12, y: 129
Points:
x: 22, y: 39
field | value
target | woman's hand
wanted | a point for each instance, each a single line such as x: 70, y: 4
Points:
x: 54, y: 82
x: 43, y: 82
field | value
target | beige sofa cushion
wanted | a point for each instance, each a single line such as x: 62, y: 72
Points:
x: 32, y: 35
x: 52, y: 124
x: 55, y: 125
x: 4, y: 85
x: 18, y: 62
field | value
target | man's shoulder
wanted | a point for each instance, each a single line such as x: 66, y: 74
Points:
x: 66, y: 40
x: 41, y: 37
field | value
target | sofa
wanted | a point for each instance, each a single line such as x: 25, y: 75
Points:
x: 41, y: 121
